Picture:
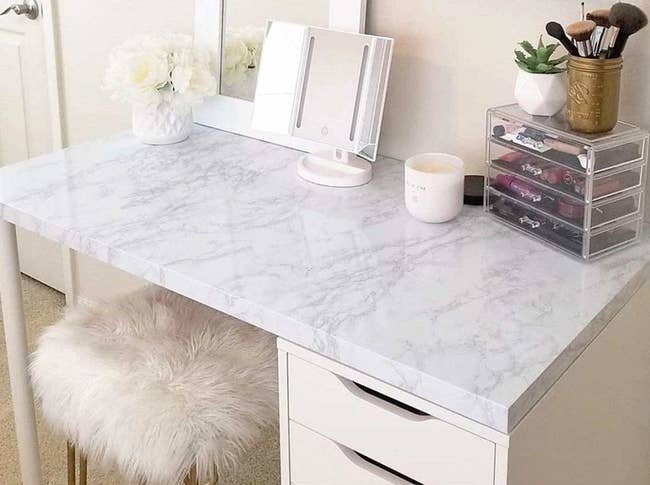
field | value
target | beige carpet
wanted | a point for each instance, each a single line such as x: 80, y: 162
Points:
x: 43, y: 306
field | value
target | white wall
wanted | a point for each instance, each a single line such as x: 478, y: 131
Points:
x: 452, y: 61
x: 242, y: 13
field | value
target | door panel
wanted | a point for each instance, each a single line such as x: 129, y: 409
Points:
x: 13, y: 132
x: 25, y: 127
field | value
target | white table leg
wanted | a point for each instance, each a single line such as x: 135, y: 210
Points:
x: 15, y: 337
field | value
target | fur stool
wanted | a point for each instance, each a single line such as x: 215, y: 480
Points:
x: 164, y: 388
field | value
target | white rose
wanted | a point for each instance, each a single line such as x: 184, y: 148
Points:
x: 235, y: 61
x: 253, y: 37
x: 181, y: 77
x: 182, y: 66
x: 149, y: 70
x: 203, y: 82
x: 191, y: 75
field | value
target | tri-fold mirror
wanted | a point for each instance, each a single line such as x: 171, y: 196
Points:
x: 326, y: 86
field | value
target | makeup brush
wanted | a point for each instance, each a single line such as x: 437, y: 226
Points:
x: 581, y: 32
x: 601, y: 17
x: 556, y: 31
x: 626, y: 20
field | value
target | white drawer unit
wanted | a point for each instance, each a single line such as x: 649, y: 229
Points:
x: 315, y: 460
x: 339, y: 426
x: 411, y: 443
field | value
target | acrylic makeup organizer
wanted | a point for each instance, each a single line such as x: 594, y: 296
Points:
x: 583, y: 194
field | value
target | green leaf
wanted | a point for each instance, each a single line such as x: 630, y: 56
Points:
x: 543, y: 54
x: 544, y: 67
x: 520, y: 56
x: 551, y: 48
x: 540, y: 44
x: 559, y: 60
x: 528, y: 47
x: 523, y: 66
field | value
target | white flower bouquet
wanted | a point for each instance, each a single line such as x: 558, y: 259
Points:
x: 150, y: 69
x: 162, y: 76
x: 241, y: 53
x: 242, y: 49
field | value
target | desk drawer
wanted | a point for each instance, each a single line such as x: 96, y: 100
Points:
x: 315, y: 460
x: 414, y: 444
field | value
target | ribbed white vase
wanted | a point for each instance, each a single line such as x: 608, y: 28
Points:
x: 169, y: 122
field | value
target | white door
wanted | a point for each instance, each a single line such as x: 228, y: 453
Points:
x: 26, y: 124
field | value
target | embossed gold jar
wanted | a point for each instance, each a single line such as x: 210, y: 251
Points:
x: 594, y: 90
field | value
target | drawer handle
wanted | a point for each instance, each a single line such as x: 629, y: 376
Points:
x: 385, y: 402
x: 376, y: 468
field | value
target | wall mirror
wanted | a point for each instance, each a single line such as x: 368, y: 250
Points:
x: 233, y: 32
x: 328, y: 87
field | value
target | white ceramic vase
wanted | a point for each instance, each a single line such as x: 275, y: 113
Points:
x: 169, y: 122
x: 541, y: 94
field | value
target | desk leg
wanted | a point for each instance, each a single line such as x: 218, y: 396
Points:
x: 15, y: 337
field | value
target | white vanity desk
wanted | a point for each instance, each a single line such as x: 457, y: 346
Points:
x: 467, y: 322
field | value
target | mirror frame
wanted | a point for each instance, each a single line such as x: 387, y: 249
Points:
x: 234, y: 114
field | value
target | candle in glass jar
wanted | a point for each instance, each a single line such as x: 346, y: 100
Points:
x: 433, y: 186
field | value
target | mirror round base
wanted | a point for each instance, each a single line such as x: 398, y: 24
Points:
x: 335, y: 169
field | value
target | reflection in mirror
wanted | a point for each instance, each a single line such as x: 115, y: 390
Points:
x: 244, y: 24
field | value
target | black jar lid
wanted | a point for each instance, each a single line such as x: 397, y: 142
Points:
x: 474, y: 189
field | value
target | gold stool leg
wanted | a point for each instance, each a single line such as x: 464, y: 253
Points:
x: 71, y: 464
x: 83, y: 469
x: 191, y: 478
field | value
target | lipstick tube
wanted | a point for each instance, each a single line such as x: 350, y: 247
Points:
x: 522, y: 189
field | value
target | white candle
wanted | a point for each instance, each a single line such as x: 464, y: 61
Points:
x: 433, y: 186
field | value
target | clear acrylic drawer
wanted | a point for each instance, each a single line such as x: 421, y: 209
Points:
x: 560, y: 234
x: 567, y: 181
x: 569, y: 208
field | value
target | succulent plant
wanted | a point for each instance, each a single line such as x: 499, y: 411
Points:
x: 539, y: 60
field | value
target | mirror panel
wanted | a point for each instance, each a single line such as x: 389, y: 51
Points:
x: 244, y: 24
x: 279, y: 75
x: 324, y: 86
x: 334, y: 74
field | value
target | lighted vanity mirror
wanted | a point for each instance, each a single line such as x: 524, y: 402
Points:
x: 244, y: 23
x: 328, y: 87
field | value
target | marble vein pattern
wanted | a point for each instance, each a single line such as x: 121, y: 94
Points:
x: 469, y: 315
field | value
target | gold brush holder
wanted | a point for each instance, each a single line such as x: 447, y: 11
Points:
x: 594, y: 91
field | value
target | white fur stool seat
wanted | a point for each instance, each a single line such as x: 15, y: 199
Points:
x: 155, y: 384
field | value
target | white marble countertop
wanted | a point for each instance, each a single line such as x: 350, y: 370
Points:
x: 469, y: 315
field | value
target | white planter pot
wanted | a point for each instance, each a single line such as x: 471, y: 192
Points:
x: 161, y: 125
x: 541, y: 94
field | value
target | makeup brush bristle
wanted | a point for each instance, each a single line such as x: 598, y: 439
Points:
x: 629, y: 18
x: 581, y: 30
x: 555, y: 30
x: 600, y: 16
